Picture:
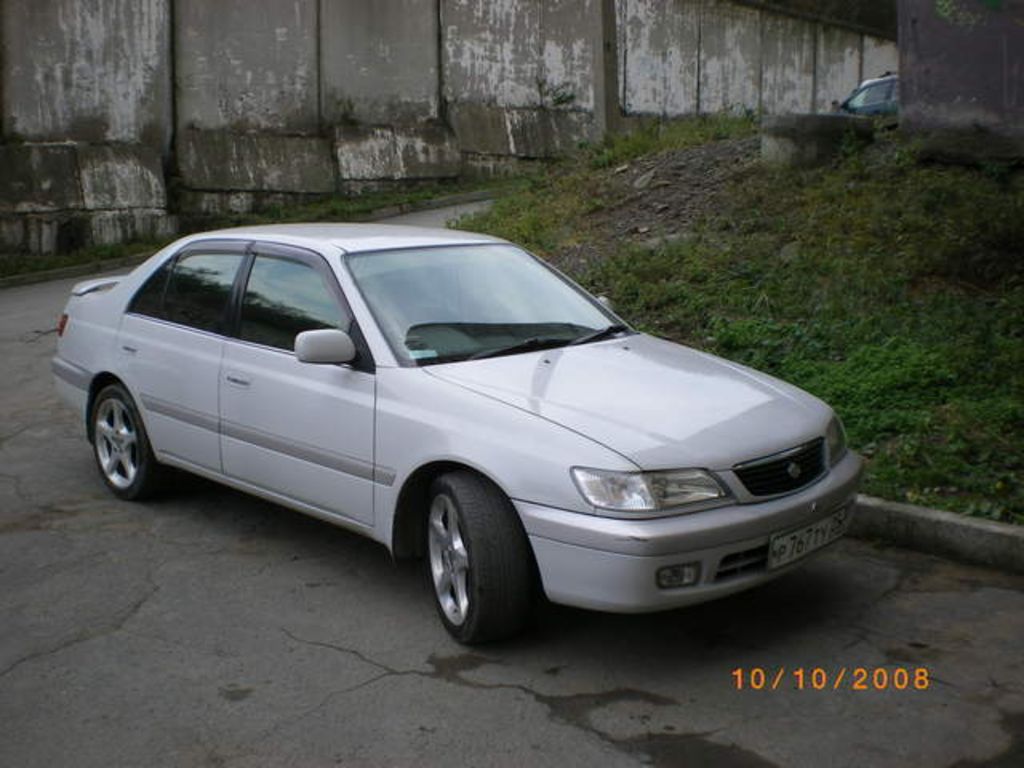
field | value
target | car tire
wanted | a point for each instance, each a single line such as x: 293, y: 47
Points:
x: 478, y: 560
x: 121, y: 446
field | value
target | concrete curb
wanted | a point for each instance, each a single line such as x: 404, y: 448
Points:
x: 81, y: 270
x: 968, y: 539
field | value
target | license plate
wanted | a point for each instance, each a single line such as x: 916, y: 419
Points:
x: 789, y: 546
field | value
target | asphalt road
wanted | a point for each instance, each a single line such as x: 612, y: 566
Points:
x: 213, y: 629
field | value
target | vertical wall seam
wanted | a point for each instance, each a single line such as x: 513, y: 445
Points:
x: 171, y: 149
x: 760, y: 62
x: 442, y: 105
x: 860, y: 60
x: 816, y: 36
x: 321, y: 128
x: 622, y: 95
x: 700, y: 56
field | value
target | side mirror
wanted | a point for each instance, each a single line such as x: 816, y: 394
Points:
x: 325, y: 346
x: 605, y: 302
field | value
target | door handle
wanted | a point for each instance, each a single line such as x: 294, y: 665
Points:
x: 238, y: 382
x: 128, y: 350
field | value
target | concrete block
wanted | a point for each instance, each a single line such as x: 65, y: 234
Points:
x: 93, y: 72
x: 808, y: 140
x: 787, y: 67
x: 838, y: 66
x: 110, y: 227
x: 225, y: 161
x: 529, y: 133
x: 121, y: 177
x: 659, y: 56
x: 41, y: 233
x: 244, y: 68
x: 730, y: 57
x: 379, y: 61
x: 39, y: 177
x: 984, y: 542
x: 429, y: 151
x: 368, y: 153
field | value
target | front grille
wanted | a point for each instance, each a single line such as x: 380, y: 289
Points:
x: 785, y: 472
x: 739, y: 563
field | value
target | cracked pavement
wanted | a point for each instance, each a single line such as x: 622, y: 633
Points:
x: 208, y: 628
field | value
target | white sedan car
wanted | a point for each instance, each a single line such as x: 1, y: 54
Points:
x: 454, y: 398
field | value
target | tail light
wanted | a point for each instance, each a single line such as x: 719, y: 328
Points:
x: 62, y: 323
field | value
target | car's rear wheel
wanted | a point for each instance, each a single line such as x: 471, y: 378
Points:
x: 478, y: 559
x: 121, y: 446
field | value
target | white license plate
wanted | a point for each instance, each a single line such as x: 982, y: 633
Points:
x: 788, y: 546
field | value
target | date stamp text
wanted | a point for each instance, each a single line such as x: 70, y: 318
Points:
x: 831, y: 678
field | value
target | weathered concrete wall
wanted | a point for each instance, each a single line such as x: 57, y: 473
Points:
x: 730, y: 54
x: 974, y: 111
x: 69, y: 195
x: 248, y: 101
x: 379, y: 61
x: 680, y: 57
x: 521, y: 77
x: 245, y: 66
x: 838, y: 66
x: 96, y: 71
x: 282, y: 100
x: 86, y: 105
x: 659, y: 55
x: 787, y: 64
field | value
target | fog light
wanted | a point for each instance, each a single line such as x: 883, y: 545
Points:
x: 674, y: 576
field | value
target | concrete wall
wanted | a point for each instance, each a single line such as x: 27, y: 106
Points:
x: 522, y: 77
x: 245, y: 69
x: 250, y: 103
x: 967, y: 112
x: 86, y: 104
x: 93, y: 71
x: 659, y: 56
x: 380, y: 61
x: 680, y: 57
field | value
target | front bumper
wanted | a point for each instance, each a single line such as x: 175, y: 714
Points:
x: 611, y: 564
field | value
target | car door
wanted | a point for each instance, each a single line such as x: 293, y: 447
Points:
x: 170, y: 344
x: 300, y: 430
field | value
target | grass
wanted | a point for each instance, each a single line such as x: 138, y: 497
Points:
x: 892, y: 289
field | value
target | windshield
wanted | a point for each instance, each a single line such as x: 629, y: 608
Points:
x: 439, y: 305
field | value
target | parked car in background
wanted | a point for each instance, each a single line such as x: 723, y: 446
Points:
x: 877, y: 97
x: 454, y: 398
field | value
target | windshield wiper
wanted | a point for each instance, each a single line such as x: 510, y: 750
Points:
x: 603, y: 333
x: 526, y: 345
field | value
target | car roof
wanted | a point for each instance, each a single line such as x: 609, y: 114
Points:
x: 880, y: 79
x: 351, y: 238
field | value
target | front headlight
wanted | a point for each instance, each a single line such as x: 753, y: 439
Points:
x: 645, y: 491
x: 835, y: 439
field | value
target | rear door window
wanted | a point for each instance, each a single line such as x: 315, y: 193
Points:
x: 192, y: 290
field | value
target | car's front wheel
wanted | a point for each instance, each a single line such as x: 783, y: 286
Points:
x: 478, y: 559
x: 121, y: 446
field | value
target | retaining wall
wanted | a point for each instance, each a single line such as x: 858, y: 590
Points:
x: 685, y: 57
x: 247, y: 104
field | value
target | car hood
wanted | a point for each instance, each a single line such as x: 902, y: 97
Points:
x: 659, y: 404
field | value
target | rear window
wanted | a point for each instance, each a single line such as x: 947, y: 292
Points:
x: 192, y: 291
